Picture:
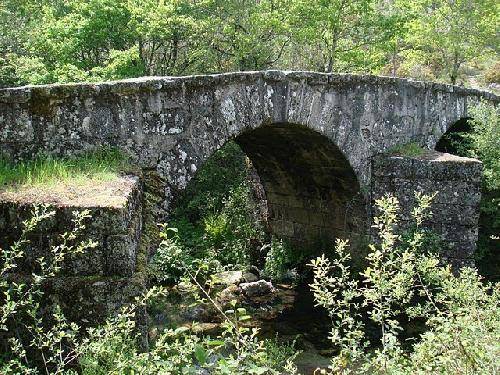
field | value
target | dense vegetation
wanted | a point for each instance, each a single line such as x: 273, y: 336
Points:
x: 402, y: 281
x: 44, y: 41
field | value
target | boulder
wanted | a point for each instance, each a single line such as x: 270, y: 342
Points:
x: 257, y: 288
x: 250, y: 277
x: 227, y: 278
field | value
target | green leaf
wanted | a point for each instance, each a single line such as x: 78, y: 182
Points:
x: 200, y: 354
x: 215, y: 343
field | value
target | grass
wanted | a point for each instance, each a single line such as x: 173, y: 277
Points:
x: 411, y: 149
x: 103, y: 164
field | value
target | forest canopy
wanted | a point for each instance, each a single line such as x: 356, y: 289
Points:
x: 47, y: 41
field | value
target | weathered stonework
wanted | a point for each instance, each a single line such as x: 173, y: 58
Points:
x: 455, y: 208
x: 172, y: 124
x: 93, y: 284
x: 311, y: 136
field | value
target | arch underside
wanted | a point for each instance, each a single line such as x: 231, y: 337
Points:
x: 312, y: 192
x: 450, y: 140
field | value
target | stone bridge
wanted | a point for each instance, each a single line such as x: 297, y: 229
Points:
x: 316, y: 140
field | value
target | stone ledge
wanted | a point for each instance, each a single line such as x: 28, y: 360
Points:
x: 130, y: 86
x: 430, y: 165
x: 116, y: 222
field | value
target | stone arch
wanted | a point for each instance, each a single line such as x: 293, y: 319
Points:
x: 312, y: 191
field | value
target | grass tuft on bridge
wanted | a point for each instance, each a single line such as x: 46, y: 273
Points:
x: 99, y: 165
x: 411, y: 149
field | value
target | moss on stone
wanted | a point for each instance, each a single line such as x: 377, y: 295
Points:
x: 153, y: 187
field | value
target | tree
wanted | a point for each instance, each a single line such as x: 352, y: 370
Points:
x: 339, y: 35
x: 448, y: 33
x: 248, y: 34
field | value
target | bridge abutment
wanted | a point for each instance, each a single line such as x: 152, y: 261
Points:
x: 456, y: 181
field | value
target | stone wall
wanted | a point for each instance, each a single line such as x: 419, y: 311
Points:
x: 456, y: 180
x: 96, y: 283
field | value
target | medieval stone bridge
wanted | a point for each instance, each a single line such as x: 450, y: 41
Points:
x: 315, y: 140
x: 311, y: 136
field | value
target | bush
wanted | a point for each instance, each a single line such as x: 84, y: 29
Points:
x: 170, y: 260
x: 277, y: 260
x: 39, y: 336
x: 405, y: 280
x: 492, y: 74
x: 53, y: 345
x: 217, y: 215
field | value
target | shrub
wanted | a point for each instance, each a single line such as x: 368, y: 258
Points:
x: 404, y: 279
x: 39, y: 336
x: 55, y: 346
x: 170, y: 260
x: 277, y: 260
x: 113, y: 349
x: 492, y: 74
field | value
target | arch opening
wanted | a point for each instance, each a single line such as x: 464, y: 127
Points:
x: 453, y: 141
x: 312, y: 192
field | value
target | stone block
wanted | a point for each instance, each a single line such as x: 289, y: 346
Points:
x: 121, y: 255
x: 115, y: 222
x: 456, y: 205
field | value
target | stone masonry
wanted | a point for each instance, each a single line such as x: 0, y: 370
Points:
x: 95, y: 283
x: 311, y: 136
x: 314, y: 140
x: 455, y: 208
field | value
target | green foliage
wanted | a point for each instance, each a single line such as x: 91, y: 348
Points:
x: 216, y: 223
x: 446, y: 35
x: 217, y: 215
x: 80, y: 40
x: 112, y: 349
x: 485, y: 142
x: 43, y: 340
x: 170, y: 261
x: 102, y: 164
x: 411, y: 149
x: 39, y: 336
x: 278, y: 260
x: 492, y: 74
x: 404, y: 279
x: 337, y: 35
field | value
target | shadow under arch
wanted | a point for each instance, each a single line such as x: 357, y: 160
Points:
x: 312, y: 192
x: 452, y: 141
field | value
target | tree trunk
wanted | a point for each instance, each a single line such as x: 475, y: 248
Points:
x: 454, y: 70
